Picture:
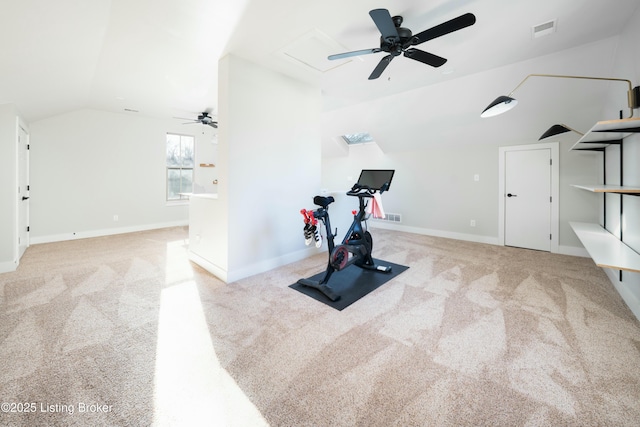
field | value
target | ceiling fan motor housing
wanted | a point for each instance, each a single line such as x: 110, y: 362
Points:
x: 396, y: 46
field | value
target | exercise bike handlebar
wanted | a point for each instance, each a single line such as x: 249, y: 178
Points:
x: 366, y: 191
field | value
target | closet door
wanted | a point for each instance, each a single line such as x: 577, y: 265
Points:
x: 527, y: 207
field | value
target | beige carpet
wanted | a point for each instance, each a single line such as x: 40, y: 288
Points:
x: 124, y: 330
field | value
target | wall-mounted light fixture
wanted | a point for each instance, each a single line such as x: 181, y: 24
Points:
x: 504, y: 103
x: 557, y: 130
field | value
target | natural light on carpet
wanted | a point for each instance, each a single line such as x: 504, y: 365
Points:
x: 177, y: 268
x: 191, y: 388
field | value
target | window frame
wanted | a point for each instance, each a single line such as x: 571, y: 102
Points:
x: 179, y: 168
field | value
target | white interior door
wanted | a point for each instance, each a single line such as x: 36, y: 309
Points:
x: 527, y: 206
x: 23, y: 192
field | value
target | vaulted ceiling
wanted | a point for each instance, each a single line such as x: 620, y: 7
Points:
x: 160, y: 57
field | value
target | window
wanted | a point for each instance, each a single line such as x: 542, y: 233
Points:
x: 180, y: 161
x: 357, y: 138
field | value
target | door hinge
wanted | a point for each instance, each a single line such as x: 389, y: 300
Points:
x: 550, y: 162
x: 28, y: 187
x: 28, y: 146
x: 28, y: 229
x: 550, y: 237
x: 550, y: 199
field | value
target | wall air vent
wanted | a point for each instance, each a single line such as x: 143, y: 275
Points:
x: 357, y: 138
x: 390, y: 217
x: 544, y: 29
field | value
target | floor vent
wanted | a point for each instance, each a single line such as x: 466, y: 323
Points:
x: 390, y: 217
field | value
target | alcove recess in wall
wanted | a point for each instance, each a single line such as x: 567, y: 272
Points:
x: 207, y: 165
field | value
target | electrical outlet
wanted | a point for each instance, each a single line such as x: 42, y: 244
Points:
x: 473, y: 223
x: 476, y: 177
x: 115, y: 217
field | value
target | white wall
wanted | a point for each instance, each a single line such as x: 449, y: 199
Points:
x: 436, y: 154
x: 269, y: 164
x: 8, y: 186
x: 89, y: 165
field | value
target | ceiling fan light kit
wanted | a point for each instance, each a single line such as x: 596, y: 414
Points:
x: 505, y: 103
x: 396, y: 40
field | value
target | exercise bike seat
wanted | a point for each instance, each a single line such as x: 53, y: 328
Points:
x: 323, y: 201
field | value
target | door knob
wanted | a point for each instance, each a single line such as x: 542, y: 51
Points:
x: 512, y: 195
x: 25, y: 198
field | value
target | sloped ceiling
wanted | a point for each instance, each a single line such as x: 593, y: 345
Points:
x: 156, y: 57
x: 160, y: 57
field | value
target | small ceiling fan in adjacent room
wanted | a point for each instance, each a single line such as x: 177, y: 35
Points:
x: 203, y: 118
x: 396, y: 40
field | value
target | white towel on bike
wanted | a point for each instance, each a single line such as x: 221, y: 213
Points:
x: 375, y: 206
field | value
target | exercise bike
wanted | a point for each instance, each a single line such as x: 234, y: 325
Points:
x: 357, y: 243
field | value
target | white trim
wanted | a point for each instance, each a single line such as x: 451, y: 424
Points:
x: 252, y: 269
x: 573, y: 251
x: 562, y: 250
x: 555, y: 189
x: 270, y: 264
x: 436, y: 233
x: 629, y: 298
x: 105, y: 232
x: 20, y: 202
x: 177, y: 202
x: 16, y: 206
x: 8, y: 267
x: 212, y: 268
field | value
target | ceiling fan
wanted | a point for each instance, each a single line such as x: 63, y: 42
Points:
x: 395, y: 40
x: 203, y: 118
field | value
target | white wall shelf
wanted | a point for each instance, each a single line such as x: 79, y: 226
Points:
x: 619, y: 189
x: 607, y: 132
x: 606, y: 250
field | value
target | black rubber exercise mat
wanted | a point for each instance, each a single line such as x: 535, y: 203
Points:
x: 351, y: 284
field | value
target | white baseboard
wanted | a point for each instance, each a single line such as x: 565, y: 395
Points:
x: 436, y: 233
x: 8, y: 267
x: 564, y: 250
x: 269, y: 264
x: 104, y: 232
x: 629, y: 298
x: 251, y: 269
x: 573, y: 251
x: 212, y: 268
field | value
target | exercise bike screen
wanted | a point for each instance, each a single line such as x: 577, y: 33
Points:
x: 376, y: 178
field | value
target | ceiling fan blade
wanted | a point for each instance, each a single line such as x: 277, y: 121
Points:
x: 383, y: 21
x: 213, y: 124
x: 380, y: 67
x: 354, y: 53
x: 450, y: 26
x: 425, y: 57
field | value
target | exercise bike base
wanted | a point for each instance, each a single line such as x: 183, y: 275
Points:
x: 378, y: 268
x: 322, y: 287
